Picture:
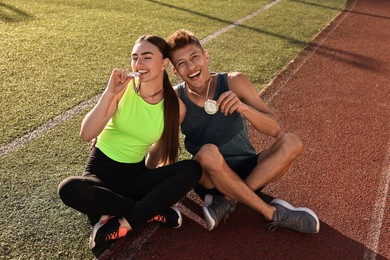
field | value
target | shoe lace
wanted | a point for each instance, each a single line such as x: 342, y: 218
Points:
x: 224, y: 212
x: 112, y: 236
x: 275, y: 224
x: 158, y: 218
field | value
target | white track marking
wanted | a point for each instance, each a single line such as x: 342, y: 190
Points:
x: 374, y: 233
x: 190, y: 214
x: 238, y: 22
x: 45, y: 128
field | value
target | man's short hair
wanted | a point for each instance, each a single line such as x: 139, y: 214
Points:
x: 182, y: 38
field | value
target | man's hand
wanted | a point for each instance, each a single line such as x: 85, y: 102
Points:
x: 230, y: 103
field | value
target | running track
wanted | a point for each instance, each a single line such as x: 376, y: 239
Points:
x: 336, y: 97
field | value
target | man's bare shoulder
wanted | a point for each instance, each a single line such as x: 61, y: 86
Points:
x: 238, y: 79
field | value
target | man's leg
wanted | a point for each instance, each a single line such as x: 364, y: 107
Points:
x: 217, y: 174
x: 275, y: 161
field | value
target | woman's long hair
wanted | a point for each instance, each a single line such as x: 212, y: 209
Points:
x: 169, y: 142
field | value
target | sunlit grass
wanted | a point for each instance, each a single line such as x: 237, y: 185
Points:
x: 56, y: 54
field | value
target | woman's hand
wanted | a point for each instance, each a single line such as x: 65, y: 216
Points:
x: 119, y: 79
x: 95, y: 121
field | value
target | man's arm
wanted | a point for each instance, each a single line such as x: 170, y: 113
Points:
x: 244, y: 99
x: 182, y: 107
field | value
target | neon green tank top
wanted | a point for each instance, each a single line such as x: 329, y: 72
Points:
x: 134, y: 126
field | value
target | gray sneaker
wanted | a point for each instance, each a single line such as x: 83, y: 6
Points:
x: 300, y: 219
x: 215, y: 209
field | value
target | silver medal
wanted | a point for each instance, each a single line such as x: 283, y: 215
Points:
x: 211, y: 107
x: 133, y: 74
x: 136, y: 83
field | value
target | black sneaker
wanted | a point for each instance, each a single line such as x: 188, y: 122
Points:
x: 170, y: 218
x: 300, y: 219
x: 106, y: 230
x: 215, y: 209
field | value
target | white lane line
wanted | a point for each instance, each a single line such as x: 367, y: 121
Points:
x: 374, y: 233
x: 190, y: 214
x: 46, y: 127
x: 238, y: 22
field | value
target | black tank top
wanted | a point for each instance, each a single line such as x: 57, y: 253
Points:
x: 229, y: 133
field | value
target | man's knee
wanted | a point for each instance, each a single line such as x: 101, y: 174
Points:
x: 292, y: 145
x: 208, y: 155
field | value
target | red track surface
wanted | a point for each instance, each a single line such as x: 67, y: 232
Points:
x: 336, y: 97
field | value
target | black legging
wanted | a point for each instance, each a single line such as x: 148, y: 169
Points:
x: 130, y: 190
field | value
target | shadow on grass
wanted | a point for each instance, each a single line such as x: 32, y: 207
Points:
x: 351, y: 58
x: 11, y: 14
x: 227, y: 22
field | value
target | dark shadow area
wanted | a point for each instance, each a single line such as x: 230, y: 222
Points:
x: 337, y: 9
x: 350, y: 58
x: 243, y: 236
x: 11, y: 14
x: 128, y: 246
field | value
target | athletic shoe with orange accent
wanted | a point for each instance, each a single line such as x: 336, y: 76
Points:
x: 170, y: 218
x: 107, y: 229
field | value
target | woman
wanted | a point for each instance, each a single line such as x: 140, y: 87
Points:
x: 137, y: 113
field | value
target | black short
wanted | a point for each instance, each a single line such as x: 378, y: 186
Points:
x: 242, y: 169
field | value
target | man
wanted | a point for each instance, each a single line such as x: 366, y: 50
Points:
x: 214, y: 108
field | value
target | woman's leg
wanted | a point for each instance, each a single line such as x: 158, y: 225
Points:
x: 89, y: 196
x: 158, y: 189
x: 99, y: 191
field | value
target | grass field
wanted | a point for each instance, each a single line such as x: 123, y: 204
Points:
x: 56, y: 55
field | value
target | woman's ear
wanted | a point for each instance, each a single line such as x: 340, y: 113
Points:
x: 165, y: 63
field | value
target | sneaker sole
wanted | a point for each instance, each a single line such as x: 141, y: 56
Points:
x: 210, y: 223
x: 291, y: 207
x: 180, y: 220
x: 103, y: 219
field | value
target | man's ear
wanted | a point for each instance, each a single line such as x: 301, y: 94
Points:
x: 174, y: 70
x: 206, y: 55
